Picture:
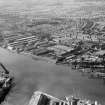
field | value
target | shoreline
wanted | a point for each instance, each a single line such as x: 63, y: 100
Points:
x: 34, y: 57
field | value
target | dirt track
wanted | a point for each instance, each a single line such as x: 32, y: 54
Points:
x: 31, y: 75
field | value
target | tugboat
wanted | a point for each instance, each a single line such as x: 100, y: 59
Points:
x: 6, y: 83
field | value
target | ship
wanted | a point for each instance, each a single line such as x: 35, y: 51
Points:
x: 6, y: 82
x: 42, y: 98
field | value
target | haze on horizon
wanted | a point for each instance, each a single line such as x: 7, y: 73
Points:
x: 71, y: 3
x: 61, y: 7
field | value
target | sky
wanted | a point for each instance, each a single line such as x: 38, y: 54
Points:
x: 52, y: 6
x: 50, y: 1
x: 71, y: 3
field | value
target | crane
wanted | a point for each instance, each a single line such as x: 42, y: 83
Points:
x: 6, y: 71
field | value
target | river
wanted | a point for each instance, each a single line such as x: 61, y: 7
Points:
x: 57, y: 80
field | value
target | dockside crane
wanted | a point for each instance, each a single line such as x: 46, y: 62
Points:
x: 6, y: 71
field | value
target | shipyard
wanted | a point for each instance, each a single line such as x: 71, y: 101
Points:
x: 52, y: 53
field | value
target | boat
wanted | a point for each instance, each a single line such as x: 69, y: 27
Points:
x: 42, y: 98
x: 6, y: 83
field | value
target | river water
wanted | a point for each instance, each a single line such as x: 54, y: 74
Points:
x: 57, y: 80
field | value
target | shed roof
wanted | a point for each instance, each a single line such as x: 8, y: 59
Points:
x: 101, y: 52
